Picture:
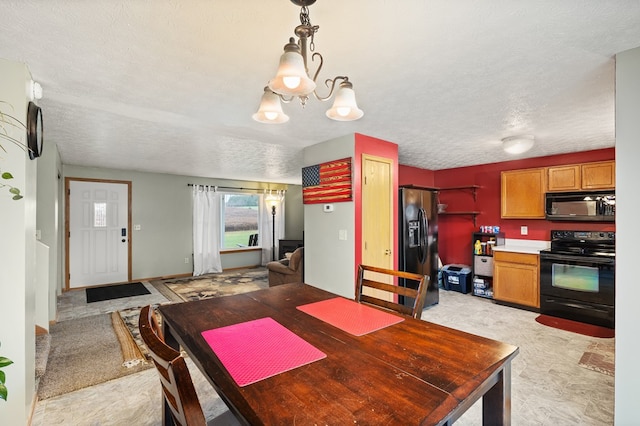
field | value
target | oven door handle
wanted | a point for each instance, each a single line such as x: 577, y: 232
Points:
x: 574, y: 304
x: 581, y: 259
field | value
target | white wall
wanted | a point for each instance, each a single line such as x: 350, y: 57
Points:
x: 328, y: 260
x: 161, y: 205
x: 17, y: 253
x: 48, y: 221
x: 627, y: 236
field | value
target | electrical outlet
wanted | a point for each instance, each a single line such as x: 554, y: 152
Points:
x: 186, y: 260
x: 524, y: 230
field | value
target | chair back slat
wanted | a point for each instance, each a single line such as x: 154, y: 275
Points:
x: 392, y: 289
x: 177, y: 388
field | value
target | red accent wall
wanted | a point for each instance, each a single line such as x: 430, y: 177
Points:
x: 414, y: 176
x: 454, y: 244
x: 380, y: 148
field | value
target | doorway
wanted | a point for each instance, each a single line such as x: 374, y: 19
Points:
x: 97, y: 232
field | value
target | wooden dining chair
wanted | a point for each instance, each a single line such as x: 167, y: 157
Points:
x: 417, y: 294
x: 178, y: 392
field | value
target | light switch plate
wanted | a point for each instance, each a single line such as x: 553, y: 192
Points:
x: 524, y: 230
x: 342, y: 234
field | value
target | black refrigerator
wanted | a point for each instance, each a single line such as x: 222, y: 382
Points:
x: 418, y: 238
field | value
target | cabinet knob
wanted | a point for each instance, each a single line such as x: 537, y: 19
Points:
x: 387, y: 252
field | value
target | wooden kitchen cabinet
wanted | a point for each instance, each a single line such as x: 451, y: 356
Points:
x: 564, y: 178
x: 585, y: 176
x: 516, y: 278
x: 600, y: 175
x: 522, y: 193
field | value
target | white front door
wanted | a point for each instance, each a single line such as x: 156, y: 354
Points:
x: 98, y: 233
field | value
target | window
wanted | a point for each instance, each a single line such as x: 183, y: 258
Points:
x: 100, y: 215
x: 240, y: 216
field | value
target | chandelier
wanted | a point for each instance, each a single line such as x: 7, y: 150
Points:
x: 292, y: 79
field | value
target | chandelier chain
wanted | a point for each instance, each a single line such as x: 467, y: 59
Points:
x: 306, y: 21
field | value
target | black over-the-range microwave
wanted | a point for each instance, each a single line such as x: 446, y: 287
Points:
x: 583, y: 206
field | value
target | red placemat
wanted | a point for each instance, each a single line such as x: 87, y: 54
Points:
x: 350, y: 316
x: 258, y: 349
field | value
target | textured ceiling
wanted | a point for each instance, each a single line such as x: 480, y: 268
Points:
x: 170, y: 85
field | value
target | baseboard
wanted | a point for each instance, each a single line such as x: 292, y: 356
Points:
x: 170, y: 277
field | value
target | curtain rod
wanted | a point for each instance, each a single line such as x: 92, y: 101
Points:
x: 237, y: 188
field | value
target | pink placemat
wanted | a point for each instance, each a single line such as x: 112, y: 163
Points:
x: 258, y: 349
x: 350, y: 316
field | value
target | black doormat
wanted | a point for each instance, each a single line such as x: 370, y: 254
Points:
x: 97, y: 294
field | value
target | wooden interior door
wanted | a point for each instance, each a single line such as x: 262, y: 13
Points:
x: 377, y: 216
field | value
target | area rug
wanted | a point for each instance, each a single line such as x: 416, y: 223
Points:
x: 110, y: 292
x: 600, y: 357
x: 217, y: 285
x: 84, y: 352
x: 198, y: 288
x: 129, y: 318
x: 575, y: 326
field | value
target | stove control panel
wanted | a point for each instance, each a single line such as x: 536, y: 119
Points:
x: 583, y: 235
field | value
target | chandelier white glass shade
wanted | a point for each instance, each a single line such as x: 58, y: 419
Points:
x: 517, y: 144
x: 344, y: 106
x: 292, y: 79
x: 270, y: 110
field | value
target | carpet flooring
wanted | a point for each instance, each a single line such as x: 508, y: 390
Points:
x: 84, y: 352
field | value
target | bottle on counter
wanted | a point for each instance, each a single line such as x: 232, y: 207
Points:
x: 477, y: 248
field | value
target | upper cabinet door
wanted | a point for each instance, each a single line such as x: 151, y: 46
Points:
x: 600, y: 175
x: 564, y: 178
x: 522, y: 193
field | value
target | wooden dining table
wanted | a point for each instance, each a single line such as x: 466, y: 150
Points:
x: 413, y: 372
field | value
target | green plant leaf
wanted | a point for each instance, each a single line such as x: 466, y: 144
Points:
x: 5, y: 361
x: 15, y: 191
x: 3, y: 392
x: 17, y: 197
x: 7, y: 175
x: 2, y: 377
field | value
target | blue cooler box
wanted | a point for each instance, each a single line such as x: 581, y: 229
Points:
x: 457, y: 278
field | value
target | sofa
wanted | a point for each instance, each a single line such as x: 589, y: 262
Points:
x: 287, y: 270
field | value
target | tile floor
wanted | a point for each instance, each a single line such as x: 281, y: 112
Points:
x: 548, y: 385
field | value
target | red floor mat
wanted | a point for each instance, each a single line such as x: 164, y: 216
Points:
x: 576, y: 327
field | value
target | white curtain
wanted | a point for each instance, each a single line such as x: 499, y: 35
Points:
x: 206, y: 230
x: 273, y: 198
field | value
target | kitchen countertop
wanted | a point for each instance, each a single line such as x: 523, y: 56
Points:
x: 523, y: 246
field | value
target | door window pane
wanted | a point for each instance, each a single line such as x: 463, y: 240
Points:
x: 99, y: 215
